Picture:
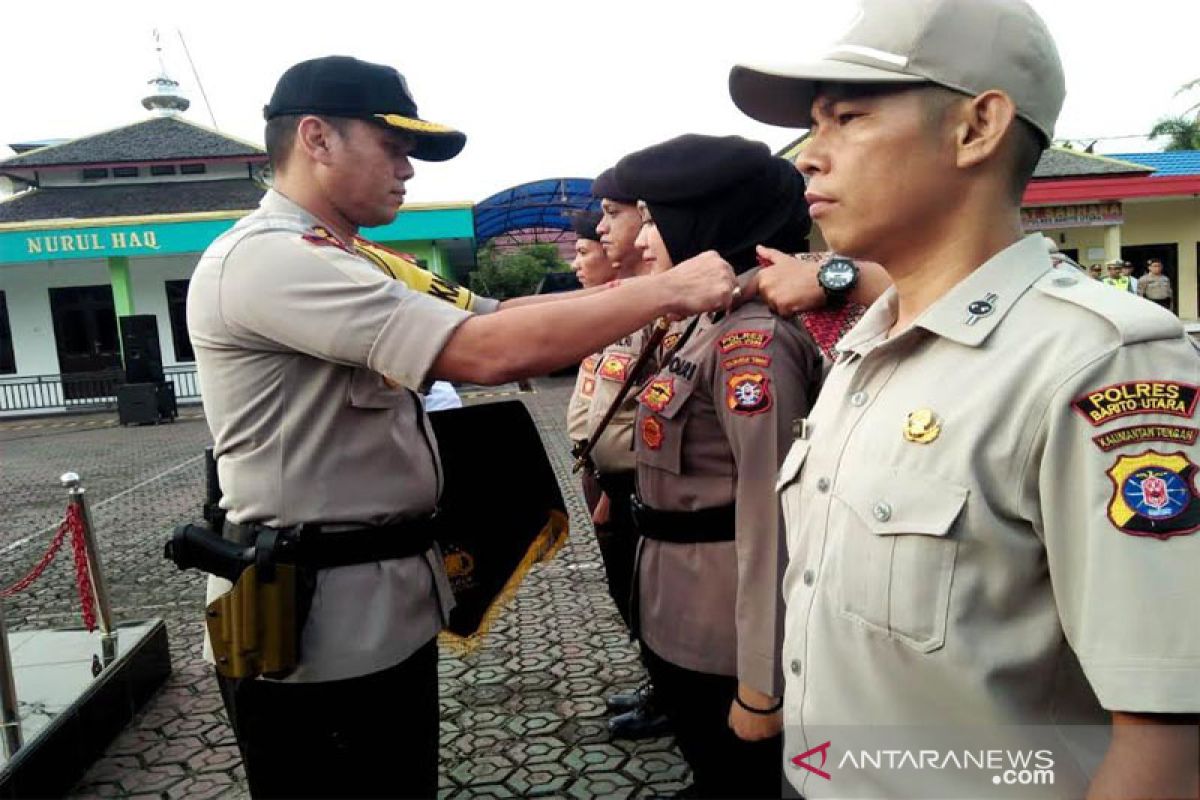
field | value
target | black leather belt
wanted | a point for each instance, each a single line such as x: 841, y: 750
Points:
x: 685, y: 527
x: 310, y: 546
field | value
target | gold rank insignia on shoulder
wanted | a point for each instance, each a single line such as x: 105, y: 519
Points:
x: 922, y: 426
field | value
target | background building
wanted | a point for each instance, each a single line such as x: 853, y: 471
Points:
x: 113, y: 224
x: 1134, y: 206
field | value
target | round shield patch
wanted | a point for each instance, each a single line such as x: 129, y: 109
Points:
x: 1154, y: 495
x: 748, y: 393
x: 652, y: 432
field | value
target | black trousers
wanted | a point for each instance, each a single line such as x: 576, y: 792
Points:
x: 618, y: 540
x: 372, y: 736
x: 723, y: 766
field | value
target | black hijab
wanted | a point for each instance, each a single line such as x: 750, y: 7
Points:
x: 722, y: 193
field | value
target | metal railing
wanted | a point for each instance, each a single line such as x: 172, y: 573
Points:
x: 84, y: 390
x: 187, y: 384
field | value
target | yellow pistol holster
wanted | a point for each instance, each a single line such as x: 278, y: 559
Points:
x: 252, y: 627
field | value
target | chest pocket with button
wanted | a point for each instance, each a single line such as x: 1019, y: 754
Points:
x: 665, y: 426
x: 368, y: 389
x: 788, y: 488
x: 898, y: 553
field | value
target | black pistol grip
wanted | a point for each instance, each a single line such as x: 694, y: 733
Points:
x: 195, y: 547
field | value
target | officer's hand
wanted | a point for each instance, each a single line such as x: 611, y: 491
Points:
x: 703, y: 283
x: 788, y: 284
x: 601, y: 513
x: 751, y: 727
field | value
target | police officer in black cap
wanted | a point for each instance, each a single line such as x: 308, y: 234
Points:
x: 311, y: 360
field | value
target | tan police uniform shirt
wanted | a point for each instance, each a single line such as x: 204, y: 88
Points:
x: 1155, y: 287
x: 712, y: 428
x: 580, y: 404
x: 613, y: 451
x: 993, y: 522
x: 293, y: 336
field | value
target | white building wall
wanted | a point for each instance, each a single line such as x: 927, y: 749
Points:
x: 148, y: 277
x: 26, y: 291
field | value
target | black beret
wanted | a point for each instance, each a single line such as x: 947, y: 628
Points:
x: 584, y: 224
x: 606, y: 187
x: 690, y: 167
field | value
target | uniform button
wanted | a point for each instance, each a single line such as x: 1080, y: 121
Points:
x: 1065, y: 280
x: 822, y: 485
x: 858, y: 399
x: 882, y: 511
x: 808, y: 577
x: 795, y: 666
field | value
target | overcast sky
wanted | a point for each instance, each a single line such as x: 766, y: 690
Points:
x: 543, y: 89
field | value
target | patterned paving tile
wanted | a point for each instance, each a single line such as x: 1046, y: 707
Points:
x: 523, y: 716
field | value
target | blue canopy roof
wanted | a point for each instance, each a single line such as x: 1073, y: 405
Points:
x: 1177, y: 162
x: 540, y: 204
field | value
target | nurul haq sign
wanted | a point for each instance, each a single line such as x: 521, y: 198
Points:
x: 117, y: 241
x: 104, y: 241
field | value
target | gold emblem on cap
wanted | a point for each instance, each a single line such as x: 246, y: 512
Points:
x: 410, y: 124
x: 922, y: 426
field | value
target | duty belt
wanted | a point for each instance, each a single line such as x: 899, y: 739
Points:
x: 685, y: 527
x: 311, y: 546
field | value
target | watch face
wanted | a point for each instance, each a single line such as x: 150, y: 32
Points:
x: 838, y: 274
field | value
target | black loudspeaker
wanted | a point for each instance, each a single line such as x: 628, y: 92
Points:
x: 142, y: 403
x: 143, y: 356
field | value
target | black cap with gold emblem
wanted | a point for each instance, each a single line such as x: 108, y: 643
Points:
x: 341, y: 86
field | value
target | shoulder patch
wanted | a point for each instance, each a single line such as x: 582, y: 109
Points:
x: 1137, y: 434
x: 321, y: 237
x: 736, y: 340
x: 614, y: 367
x: 658, y: 393
x: 1137, y: 397
x: 748, y: 393
x: 1154, y: 494
x: 1133, y: 319
x: 746, y: 361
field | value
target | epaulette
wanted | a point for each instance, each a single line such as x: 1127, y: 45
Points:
x: 366, y: 244
x: 1134, y: 319
x: 322, y: 237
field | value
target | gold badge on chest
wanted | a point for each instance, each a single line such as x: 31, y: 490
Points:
x: 922, y: 426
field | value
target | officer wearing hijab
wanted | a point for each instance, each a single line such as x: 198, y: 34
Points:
x: 711, y: 429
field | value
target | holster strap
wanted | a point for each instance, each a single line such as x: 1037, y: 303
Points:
x: 685, y: 527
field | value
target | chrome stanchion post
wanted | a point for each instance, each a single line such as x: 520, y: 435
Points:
x: 108, y: 636
x: 9, y: 721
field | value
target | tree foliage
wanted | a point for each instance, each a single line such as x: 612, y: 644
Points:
x: 514, y: 273
x: 1181, y: 133
x: 1190, y: 86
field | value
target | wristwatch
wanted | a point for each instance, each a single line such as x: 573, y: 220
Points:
x: 837, y: 276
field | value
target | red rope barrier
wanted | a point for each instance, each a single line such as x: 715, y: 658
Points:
x: 73, y: 524
x: 83, y: 576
